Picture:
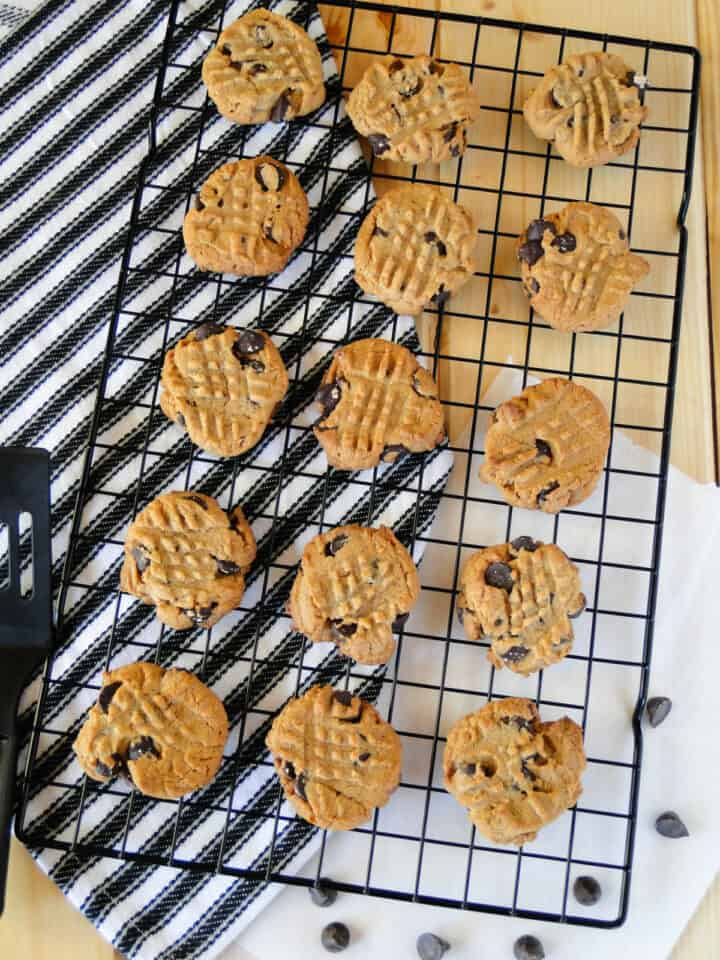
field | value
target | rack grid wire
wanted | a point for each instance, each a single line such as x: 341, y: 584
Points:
x: 421, y: 847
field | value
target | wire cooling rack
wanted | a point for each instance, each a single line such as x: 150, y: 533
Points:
x: 485, y: 346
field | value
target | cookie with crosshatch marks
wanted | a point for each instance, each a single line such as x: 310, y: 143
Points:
x: 414, y: 110
x: 222, y: 385
x: 337, y: 759
x: 163, y: 728
x: 589, y: 107
x: 356, y: 587
x: 188, y: 558
x: 513, y: 773
x: 377, y: 403
x: 264, y: 67
x: 577, y: 267
x: 521, y: 597
x: 414, y: 248
x: 545, y: 449
x: 249, y: 217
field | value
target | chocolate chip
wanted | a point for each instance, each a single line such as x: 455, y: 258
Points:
x: 534, y: 286
x: 515, y: 654
x: 441, y: 297
x: 536, y: 229
x: 208, y: 329
x: 328, y: 397
x: 199, y: 205
x: 289, y: 770
x: 200, y: 615
x: 226, y: 50
x: 399, y: 622
x: 257, y: 68
x: 335, y: 937
x: 107, y: 693
x: 499, y: 575
x: 356, y: 719
x: 379, y: 143
x: 250, y: 341
x: 267, y: 232
x: 379, y: 232
x: 489, y: 768
x: 629, y: 79
x: 520, y: 722
x: 142, y: 560
x: 543, y: 448
x: 300, y: 787
x: 236, y: 65
x: 392, y: 451
x: 432, y: 237
x: 565, y: 243
x: 344, y: 697
x: 449, y: 131
x: 227, y: 568
x: 431, y: 947
x: 587, y: 891
x: 581, y: 72
x: 468, y: 769
x: 614, y: 118
x: 270, y: 176
x: 622, y: 234
x: 524, y: 543
x: 334, y: 546
x: 546, y: 491
x: 142, y: 747
x: 321, y: 894
x: 658, y: 709
x: 526, y: 771
x: 455, y: 150
x: 411, y: 89
x: 364, y: 757
x: 277, y: 114
x: 576, y: 613
x: 262, y: 37
x: 395, y: 66
x: 555, y: 102
x: 198, y: 500
x: 571, y: 122
x: 104, y: 771
x: 435, y: 67
x: 343, y: 630
x: 670, y: 825
x: 530, y: 252
x: 528, y: 948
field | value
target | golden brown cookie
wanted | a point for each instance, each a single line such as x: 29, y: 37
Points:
x: 187, y: 557
x: 163, y: 728
x: 577, y: 267
x: 264, y: 67
x: 512, y: 772
x: 355, y: 587
x: 377, y: 403
x: 545, y: 448
x: 521, y: 596
x: 249, y: 217
x: 589, y: 107
x: 337, y: 759
x: 415, y: 247
x: 222, y: 385
x: 414, y: 110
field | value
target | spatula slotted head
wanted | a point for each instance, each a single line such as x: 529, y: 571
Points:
x: 25, y: 590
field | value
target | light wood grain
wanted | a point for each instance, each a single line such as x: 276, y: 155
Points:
x: 39, y: 922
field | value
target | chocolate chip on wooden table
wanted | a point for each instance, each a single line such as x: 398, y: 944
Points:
x: 208, y: 329
x: 335, y: 545
x: 528, y: 948
x: 431, y: 947
x: 499, y: 575
x: 670, y: 825
x: 658, y: 709
x: 107, y: 693
x: 335, y: 937
x: 587, y: 891
x: 379, y: 143
x: 322, y: 894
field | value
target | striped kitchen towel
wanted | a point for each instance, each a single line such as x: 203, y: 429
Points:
x: 77, y: 85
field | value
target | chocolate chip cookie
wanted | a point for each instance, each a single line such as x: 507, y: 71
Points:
x: 249, y: 217
x: 415, y: 248
x: 545, y: 449
x: 521, y: 596
x: 187, y: 557
x: 162, y: 728
x: 577, y: 267
x: 337, y: 759
x: 589, y: 107
x: 512, y: 772
x: 264, y: 67
x: 414, y: 110
x: 355, y: 587
x: 377, y: 403
x: 222, y: 385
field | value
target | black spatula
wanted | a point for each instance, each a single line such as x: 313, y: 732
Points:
x: 25, y: 608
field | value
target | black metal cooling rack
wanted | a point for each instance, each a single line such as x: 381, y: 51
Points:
x: 507, y: 177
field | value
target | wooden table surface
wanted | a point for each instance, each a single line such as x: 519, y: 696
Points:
x: 38, y: 922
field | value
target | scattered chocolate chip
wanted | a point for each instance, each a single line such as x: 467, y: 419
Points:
x: 335, y: 545
x: 142, y: 560
x: 198, y: 500
x: 226, y: 50
x: 399, y: 622
x: 199, y: 205
x: 335, y: 937
x: 208, y: 329
x: 515, y: 654
x: 328, y: 397
x: 289, y: 770
x: 257, y: 68
x: 489, y: 768
x: 581, y: 72
x: 435, y: 67
x: 395, y: 66
x: 431, y: 947
x: 200, y: 615
x: 526, y: 771
x: 441, y: 297
x: 104, y: 771
x: 536, y: 229
x: 565, y: 243
x: 455, y: 150
x: 410, y: 89
x: 343, y: 696
x: 392, y: 451
x: 524, y: 543
x: 670, y: 825
x: 262, y: 37
x: 571, y: 122
x: 277, y: 114
x: 499, y: 575
x: 141, y: 748
x: 379, y: 143
x: 622, y: 234
x: 528, y: 948
x: 587, y: 891
x: 226, y: 568
x: 364, y: 757
x: 546, y: 491
x: 449, y: 131
x: 629, y: 79
x: 432, y: 237
x: 345, y: 630
x: 534, y: 286
x: 270, y: 176
x: 250, y: 341
x: 300, y: 787
x: 468, y: 769
x: 321, y: 894
x: 658, y: 709
x: 530, y: 252
x: 520, y: 722
x: 257, y: 365
x: 236, y: 65
x: 356, y: 719
x: 614, y: 118
x: 396, y: 112
x: 543, y: 449
x: 576, y: 613
x: 107, y: 693
x: 379, y: 232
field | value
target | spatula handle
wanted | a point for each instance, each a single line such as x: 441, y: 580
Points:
x: 8, y: 757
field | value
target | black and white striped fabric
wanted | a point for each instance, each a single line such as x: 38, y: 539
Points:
x: 77, y: 84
